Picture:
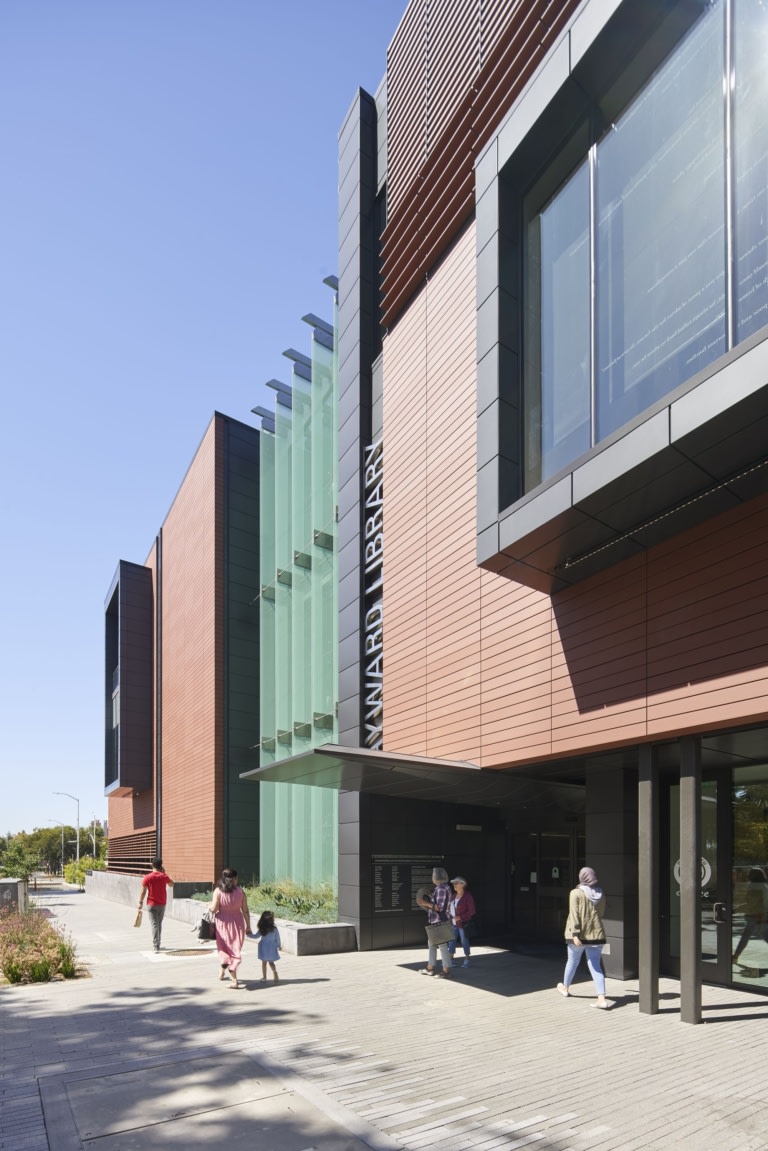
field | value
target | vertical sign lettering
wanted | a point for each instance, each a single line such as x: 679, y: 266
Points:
x: 373, y: 579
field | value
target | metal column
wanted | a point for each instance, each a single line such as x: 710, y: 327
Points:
x: 690, y: 879
x: 648, y: 881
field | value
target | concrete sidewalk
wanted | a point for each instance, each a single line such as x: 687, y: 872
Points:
x: 359, y: 1051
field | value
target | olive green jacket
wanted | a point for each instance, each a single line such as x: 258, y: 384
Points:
x: 584, y: 918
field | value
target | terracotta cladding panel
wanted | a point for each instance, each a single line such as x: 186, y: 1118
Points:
x: 508, y: 750
x: 192, y: 748
x: 128, y: 814
x: 405, y: 585
x: 709, y: 647
x: 727, y: 703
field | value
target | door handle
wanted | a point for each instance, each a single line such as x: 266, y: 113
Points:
x: 719, y: 913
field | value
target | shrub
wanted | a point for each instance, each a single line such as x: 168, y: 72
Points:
x: 74, y: 872
x: 289, y: 900
x: 32, y: 950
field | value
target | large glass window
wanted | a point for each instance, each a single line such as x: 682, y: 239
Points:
x: 750, y: 96
x: 558, y: 405
x: 647, y: 258
x: 660, y: 218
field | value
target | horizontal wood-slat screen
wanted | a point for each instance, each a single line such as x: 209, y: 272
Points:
x: 132, y: 854
x: 445, y: 99
x: 406, y: 101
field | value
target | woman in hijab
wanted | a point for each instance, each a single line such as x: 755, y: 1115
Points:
x: 585, y: 934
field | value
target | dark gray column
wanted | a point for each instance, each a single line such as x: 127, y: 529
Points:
x: 611, y: 826
x: 690, y: 879
x: 359, y: 343
x: 648, y: 849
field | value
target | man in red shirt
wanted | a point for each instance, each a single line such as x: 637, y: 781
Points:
x: 154, y: 887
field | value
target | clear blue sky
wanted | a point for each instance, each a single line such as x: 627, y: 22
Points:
x: 167, y: 215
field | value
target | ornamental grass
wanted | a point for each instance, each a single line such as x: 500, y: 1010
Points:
x: 32, y: 950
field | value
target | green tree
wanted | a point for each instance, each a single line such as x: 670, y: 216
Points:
x: 18, y: 860
x: 45, y: 842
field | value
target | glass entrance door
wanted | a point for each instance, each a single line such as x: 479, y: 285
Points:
x: 749, y: 869
x: 715, y: 897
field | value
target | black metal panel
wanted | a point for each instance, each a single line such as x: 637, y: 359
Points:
x: 241, y: 643
x: 129, y: 656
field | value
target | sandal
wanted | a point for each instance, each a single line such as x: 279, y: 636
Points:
x: 427, y: 971
x: 444, y: 974
x: 561, y: 988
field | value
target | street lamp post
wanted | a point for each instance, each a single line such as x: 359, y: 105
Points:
x: 61, y: 825
x: 77, y: 801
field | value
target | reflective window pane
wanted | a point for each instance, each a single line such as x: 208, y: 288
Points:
x: 750, y: 100
x: 660, y: 207
x: 558, y: 400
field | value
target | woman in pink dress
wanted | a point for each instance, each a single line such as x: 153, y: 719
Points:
x: 233, y: 920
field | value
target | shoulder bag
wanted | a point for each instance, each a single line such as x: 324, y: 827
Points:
x: 206, y: 927
x: 439, y: 933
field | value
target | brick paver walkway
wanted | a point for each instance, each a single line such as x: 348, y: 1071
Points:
x: 356, y: 1051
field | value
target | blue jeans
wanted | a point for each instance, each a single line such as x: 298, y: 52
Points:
x: 460, y: 936
x: 445, y: 956
x: 593, y: 951
x: 156, y: 913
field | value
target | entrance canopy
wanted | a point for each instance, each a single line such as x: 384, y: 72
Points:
x: 412, y: 777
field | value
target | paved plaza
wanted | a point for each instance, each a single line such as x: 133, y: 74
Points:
x: 359, y: 1051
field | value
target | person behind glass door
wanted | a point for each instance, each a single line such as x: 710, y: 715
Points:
x: 585, y: 934
x: 756, y: 912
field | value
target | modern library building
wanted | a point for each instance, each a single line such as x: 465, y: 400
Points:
x: 488, y: 588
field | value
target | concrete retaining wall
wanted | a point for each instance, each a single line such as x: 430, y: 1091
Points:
x: 296, y: 938
x: 13, y: 894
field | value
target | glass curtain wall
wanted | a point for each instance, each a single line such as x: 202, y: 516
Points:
x: 298, y: 605
x: 749, y: 876
x: 652, y: 253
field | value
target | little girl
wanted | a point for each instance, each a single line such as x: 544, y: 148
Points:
x: 269, y: 943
